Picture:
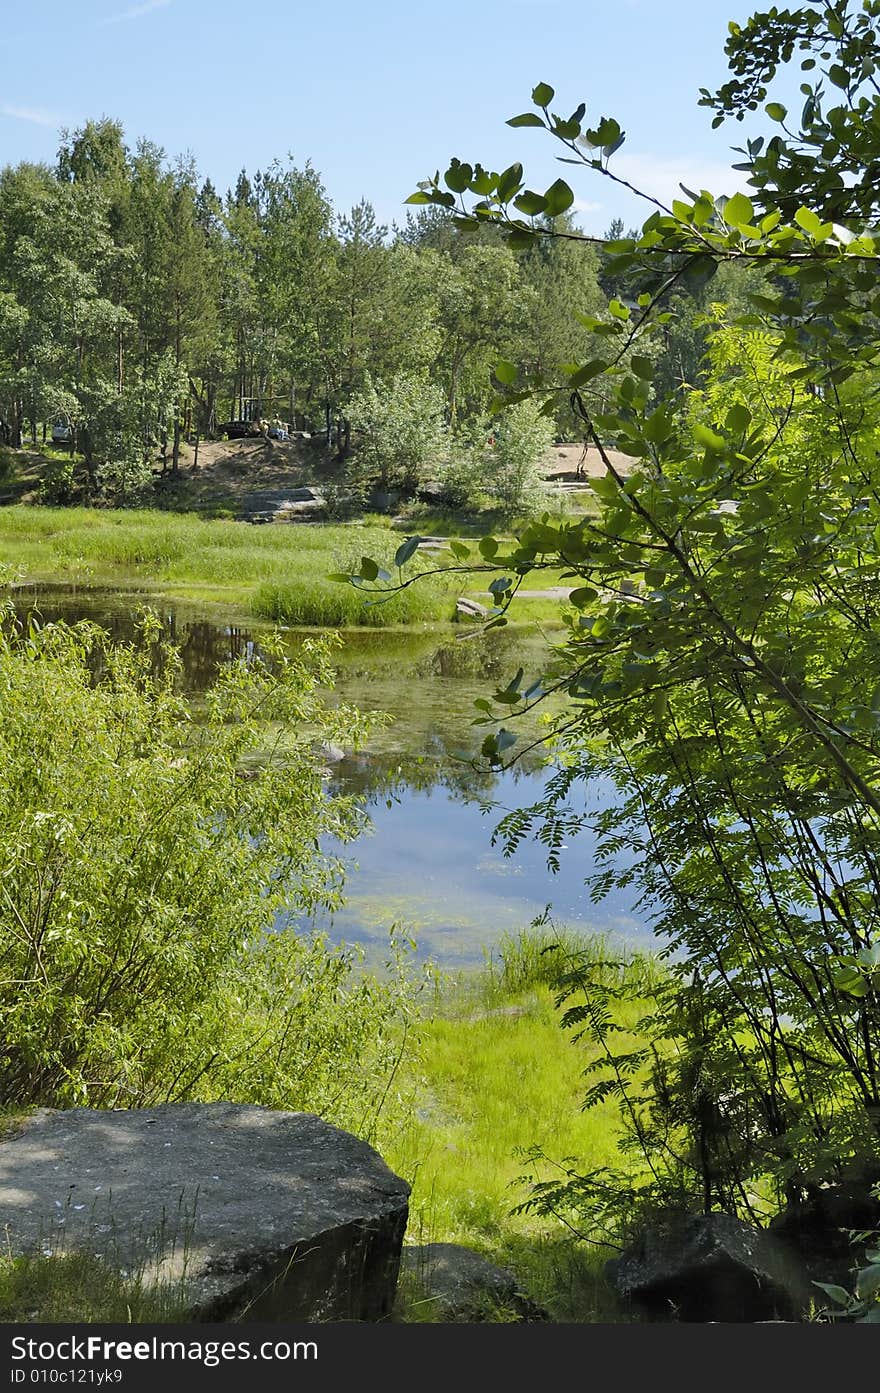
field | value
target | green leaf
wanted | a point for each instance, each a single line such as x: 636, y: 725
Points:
x: 738, y: 211
x: 520, y: 239
x: 709, y: 439
x: 458, y: 176
x: 488, y: 546
x: 406, y: 549
x: 838, y: 1294
x: 505, y: 371
x: 509, y: 182
x: 459, y: 551
x: 369, y: 570
x: 341, y: 578
x: 504, y: 740
x: 558, y: 198
x: 543, y: 94
x: 658, y: 426
x: 776, y: 111
x: 738, y: 419
x: 809, y: 221
x: 642, y: 366
x: 530, y: 203
x: 868, y: 1282
x: 584, y: 595
x: 765, y: 302
x: 528, y: 118
x: 489, y: 747
x: 587, y: 372
x: 851, y: 981
x: 607, y: 134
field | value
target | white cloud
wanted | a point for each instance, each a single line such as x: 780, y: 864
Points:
x: 660, y: 177
x: 137, y: 11
x: 37, y: 116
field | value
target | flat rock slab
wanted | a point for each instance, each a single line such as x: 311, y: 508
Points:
x: 257, y: 1214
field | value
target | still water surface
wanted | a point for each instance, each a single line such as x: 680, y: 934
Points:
x: 428, y: 865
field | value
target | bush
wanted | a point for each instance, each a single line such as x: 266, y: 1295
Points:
x: 401, y: 429
x: 145, y: 856
x: 8, y: 465
x: 521, y: 441
x: 57, y: 484
x: 462, y: 477
x: 126, y: 479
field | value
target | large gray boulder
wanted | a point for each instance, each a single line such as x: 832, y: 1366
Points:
x: 256, y: 1214
x: 710, y: 1267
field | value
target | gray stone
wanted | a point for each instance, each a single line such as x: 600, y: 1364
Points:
x: 255, y: 1213
x: 819, y: 1229
x: 710, y: 1267
x: 383, y: 500
x: 432, y: 491
x: 330, y: 752
x: 458, y: 1284
x: 471, y: 608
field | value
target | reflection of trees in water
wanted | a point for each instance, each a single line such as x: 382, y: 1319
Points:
x: 204, y: 647
x: 492, y: 657
x: 403, y: 660
x: 390, y: 776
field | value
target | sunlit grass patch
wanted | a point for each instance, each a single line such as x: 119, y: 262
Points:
x: 498, y: 1078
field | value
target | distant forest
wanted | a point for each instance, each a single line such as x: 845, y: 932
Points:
x: 144, y: 307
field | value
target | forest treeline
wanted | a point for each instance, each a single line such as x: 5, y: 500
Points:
x: 147, y: 308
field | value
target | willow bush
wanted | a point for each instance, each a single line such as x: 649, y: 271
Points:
x: 144, y: 857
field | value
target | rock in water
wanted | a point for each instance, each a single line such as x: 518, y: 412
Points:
x: 258, y: 1214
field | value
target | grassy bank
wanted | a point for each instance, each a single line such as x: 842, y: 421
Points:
x: 277, y: 572
x: 497, y: 1076
x: 492, y: 1076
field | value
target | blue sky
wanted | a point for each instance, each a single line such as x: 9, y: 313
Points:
x: 377, y: 96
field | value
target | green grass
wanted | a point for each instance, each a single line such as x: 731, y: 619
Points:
x: 499, y: 1076
x: 493, y: 1075
x: 276, y: 572
x: 80, y: 1287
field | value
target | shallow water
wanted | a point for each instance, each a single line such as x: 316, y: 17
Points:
x: 428, y: 866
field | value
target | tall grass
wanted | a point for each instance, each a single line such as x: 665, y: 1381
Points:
x: 279, y: 572
x: 340, y: 606
x: 497, y: 1077
x: 81, y: 1287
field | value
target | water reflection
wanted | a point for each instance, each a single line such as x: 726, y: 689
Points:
x: 429, y: 862
x: 205, y: 646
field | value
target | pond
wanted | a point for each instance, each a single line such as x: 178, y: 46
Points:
x: 428, y: 865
